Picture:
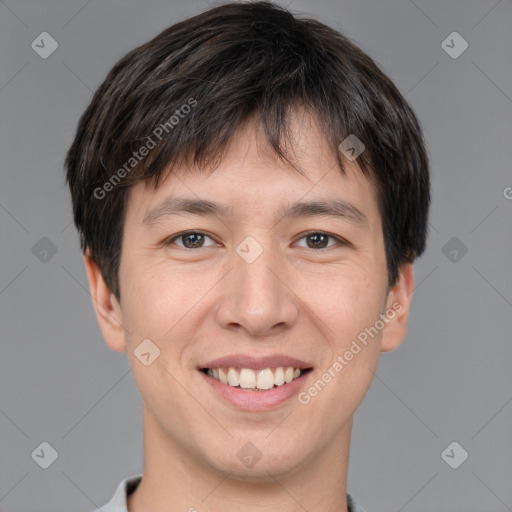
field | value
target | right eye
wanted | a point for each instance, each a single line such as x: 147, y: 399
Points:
x: 190, y: 239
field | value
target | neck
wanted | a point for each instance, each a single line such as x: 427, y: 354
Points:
x: 177, y: 479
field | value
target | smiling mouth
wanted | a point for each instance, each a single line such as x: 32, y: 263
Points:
x: 256, y: 380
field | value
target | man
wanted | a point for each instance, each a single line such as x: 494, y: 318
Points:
x: 251, y: 192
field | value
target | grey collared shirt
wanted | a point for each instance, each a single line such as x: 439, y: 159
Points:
x: 128, y: 485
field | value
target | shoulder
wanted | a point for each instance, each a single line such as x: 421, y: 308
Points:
x: 352, y: 504
x: 119, y: 499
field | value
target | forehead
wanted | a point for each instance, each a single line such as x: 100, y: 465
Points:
x: 251, y: 181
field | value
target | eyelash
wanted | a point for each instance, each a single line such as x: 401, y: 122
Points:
x: 341, y: 241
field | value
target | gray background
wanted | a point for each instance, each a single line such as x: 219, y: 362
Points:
x: 449, y: 381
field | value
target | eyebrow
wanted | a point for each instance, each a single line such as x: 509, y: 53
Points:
x: 332, y: 208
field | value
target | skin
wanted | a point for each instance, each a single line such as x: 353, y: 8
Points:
x: 197, y: 304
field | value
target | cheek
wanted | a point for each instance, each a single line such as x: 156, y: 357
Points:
x: 351, y: 351
x: 147, y: 303
x: 166, y: 305
x: 156, y: 308
x: 349, y: 306
x: 347, y: 301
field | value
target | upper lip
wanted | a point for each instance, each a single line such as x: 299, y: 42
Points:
x: 256, y: 363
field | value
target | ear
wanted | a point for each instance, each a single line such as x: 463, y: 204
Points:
x: 397, y: 309
x: 106, y: 306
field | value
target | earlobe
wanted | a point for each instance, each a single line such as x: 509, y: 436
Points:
x: 397, y: 309
x: 106, y: 306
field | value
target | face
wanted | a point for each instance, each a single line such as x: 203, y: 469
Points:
x: 255, y: 287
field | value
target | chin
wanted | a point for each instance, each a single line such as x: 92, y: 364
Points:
x: 255, y: 462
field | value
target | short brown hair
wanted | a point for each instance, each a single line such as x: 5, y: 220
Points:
x: 226, y: 64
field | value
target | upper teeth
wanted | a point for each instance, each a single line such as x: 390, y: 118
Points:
x: 255, y: 379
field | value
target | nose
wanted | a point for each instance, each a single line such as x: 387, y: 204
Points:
x: 257, y: 296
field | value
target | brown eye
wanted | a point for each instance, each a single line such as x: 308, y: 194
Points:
x: 319, y: 240
x: 190, y: 240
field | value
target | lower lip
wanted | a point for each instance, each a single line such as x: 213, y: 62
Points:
x: 249, y: 400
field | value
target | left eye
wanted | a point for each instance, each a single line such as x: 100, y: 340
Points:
x: 318, y: 240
